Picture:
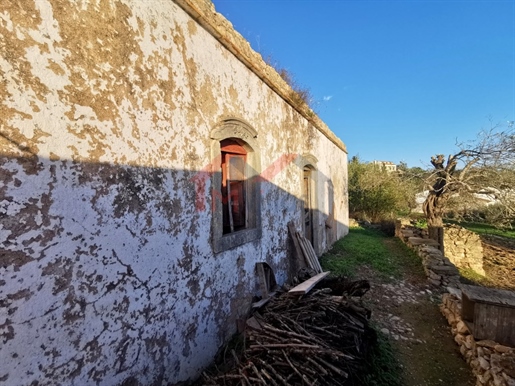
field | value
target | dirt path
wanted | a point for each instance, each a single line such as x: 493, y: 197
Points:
x: 407, y: 311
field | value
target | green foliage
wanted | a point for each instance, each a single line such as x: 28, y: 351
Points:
x: 421, y: 223
x: 469, y: 276
x: 364, y: 246
x: 376, y: 194
x: 300, y: 95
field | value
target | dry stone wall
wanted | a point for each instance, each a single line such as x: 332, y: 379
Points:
x: 463, y: 248
x: 439, y: 269
x: 492, y: 364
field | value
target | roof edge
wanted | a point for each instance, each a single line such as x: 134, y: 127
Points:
x: 204, y: 13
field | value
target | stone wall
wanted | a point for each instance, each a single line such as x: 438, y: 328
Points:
x: 440, y: 271
x: 463, y: 248
x: 492, y: 364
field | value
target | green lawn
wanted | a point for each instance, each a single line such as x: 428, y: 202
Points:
x: 364, y: 246
x: 485, y: 229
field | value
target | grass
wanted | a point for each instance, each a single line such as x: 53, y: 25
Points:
x: 469, y: 276
x: 485, y: 229
x: 364, y: 246
x: 389, y: 257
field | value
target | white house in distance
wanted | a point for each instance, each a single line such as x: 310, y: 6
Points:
x: 149, y: 159
x: 387, y: 165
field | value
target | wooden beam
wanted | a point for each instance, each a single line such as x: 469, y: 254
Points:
x: 305, y: 287
x: 296, y: 245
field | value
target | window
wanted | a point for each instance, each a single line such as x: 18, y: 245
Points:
x: 236, y: 206
x: 234, y: 211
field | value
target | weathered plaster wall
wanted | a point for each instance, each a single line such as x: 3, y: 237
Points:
x: 108, y: 274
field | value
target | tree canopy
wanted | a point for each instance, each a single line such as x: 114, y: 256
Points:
x: 485, y: 165
x: 376, y: 194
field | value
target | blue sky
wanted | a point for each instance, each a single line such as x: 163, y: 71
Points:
x: 395, y: 80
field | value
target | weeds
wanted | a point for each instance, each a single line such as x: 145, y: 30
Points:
x: 469, y: 276
x: 299, y: 95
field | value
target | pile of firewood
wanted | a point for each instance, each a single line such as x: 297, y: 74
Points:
x: 318, y: 339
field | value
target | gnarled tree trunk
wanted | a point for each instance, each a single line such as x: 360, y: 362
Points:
x: 433, y: 210
x: 436, y: 201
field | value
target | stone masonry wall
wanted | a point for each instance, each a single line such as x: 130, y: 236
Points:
x: 492, y: 364
x: 439, y: 269
x: 463, y: 248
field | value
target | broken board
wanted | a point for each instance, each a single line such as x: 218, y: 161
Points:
x: 305, y: 287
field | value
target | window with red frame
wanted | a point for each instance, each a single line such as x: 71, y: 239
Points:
x: 234, y: 160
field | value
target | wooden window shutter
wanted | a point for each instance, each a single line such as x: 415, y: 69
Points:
x: 234, y: 159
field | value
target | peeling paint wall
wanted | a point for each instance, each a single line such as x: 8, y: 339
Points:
x: 108, y: 273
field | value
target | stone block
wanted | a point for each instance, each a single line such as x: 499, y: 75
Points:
x: 420, y: 241
x: 508, y: 365
x: 459, y: 338
x: 487, y: 343
x: 509, y: 380
x: 483, y: 363
x: 503, y: 349
x: 462, y: 328
x: 448, y: 270
x: 495, y: 362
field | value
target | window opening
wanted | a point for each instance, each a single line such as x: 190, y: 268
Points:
x: 308, y: 213
x: 234, y: 212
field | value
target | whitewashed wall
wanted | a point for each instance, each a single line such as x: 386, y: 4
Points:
x: 108, y: 274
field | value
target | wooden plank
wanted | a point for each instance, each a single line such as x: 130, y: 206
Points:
x: 296, y: 245
x: 262, y: 302
x: 467, y: 308
x: 314, y: 256
x: 489, y: 295
x: 307, y: 257
x: 494, y: 322
x: 310, y: 253
x: 263, y: 285
x: 305, y: 287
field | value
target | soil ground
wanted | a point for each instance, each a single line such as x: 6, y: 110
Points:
x: 407, y: 311
x: 499, y: 261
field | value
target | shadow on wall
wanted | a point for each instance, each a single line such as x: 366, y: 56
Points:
x: 109, y: 271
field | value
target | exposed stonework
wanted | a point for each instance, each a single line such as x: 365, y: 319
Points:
x: 439, y: 269
x: 492, y: 364
x: 463, y: 248
x: 107, y: 114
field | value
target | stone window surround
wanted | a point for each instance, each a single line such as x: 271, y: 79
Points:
x: 247, y: 137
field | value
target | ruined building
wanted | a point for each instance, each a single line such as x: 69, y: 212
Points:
x: 149, y: 159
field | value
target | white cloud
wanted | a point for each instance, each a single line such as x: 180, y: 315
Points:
x: 327, y: 98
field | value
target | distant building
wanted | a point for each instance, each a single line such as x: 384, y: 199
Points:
x: 387, y: 165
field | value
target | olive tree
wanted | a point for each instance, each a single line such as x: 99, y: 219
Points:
x: 484, y: 165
